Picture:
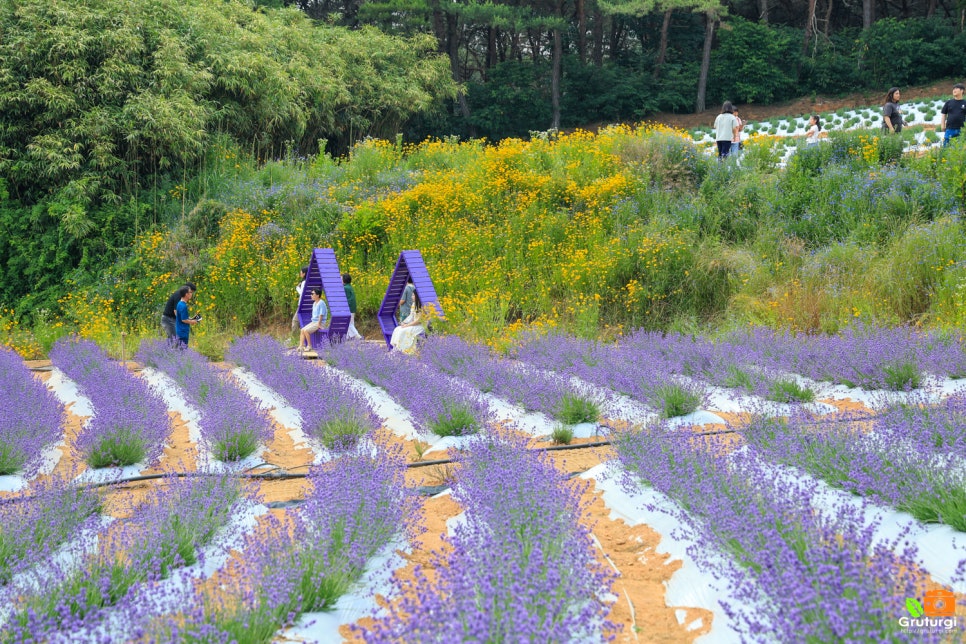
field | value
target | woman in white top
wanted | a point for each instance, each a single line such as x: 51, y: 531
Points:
x: 814, y: 127
x: 725, y: 129
x: 298, y: 289
x: 405, y: 335
x: 320, y: 313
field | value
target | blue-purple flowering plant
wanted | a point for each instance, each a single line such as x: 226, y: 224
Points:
x: 531, y: 389
x: 330, y: 409
x: 802, y: 576
x: 130, y: 422
x: 30, y: 415
x: 521, y: 566
x: 166, y: 531
x: 32, y: 527
x: 437, y: 403
x: 232, y: 426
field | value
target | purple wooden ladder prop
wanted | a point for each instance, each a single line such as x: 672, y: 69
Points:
x: 410, y: 263
x: 324, y: 272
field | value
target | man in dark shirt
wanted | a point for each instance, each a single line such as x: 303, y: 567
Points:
x: 168, y: 314
x: 954, y: 114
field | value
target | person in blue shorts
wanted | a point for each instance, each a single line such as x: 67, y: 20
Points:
x: 182, y: 319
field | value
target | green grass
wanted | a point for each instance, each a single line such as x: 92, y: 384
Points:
x: 562, y: 434
x: 902, y: 376
x: 344, y: 431
x: 789, y: 391
x: 236, y: 447
x: 674, y: 400
x: 574, y: 408
x: 456, y: 421
x: 120, y: 449
x: 11, y: 459
x: 738, y: 379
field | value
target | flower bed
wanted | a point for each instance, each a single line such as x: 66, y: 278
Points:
x: 329, y: 409
x: 30, y: 415
x: 801, y: 573
x: 521, y: 568
x: 438, y: 404
x: 232, y: 427
x: 130, y: 420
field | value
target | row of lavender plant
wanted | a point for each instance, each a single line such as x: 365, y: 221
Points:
x: 802, y: 576
x: 871, y: 357
x: 165, y: 532
x: 329, y: 409
x: 633, y: 370
x: 30, y: 416
x: 304, y: 561
x: 130, y: 420
x: 522, y: 565
x: 232, y: 426
x: 530, y: 388
x: 437, y: 403
x: 32, y: 528
x: 720, y: 363
x: 899, y: 458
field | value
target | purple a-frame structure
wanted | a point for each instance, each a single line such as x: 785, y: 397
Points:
x: 324, y: 272
x: 410, y: 263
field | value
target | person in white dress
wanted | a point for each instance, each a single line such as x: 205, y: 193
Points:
x: 405, y: 335
x: 814, y: 127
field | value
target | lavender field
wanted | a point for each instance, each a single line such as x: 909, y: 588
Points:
x: 758, y: 487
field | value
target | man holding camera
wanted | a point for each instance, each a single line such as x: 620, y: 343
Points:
x: 182, y: 321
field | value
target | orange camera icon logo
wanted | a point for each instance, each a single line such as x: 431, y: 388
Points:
x: 939, y: 603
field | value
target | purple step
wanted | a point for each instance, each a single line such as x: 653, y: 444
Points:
x: 410, y: 263
x: 324, y: 272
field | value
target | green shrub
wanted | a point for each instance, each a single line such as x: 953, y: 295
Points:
x: 788, y: 391
x: 573, y: 409
x: 562, y: 434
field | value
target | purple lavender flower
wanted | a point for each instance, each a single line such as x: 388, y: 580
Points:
x: 164, y: 532
x: 130, y: 420
x: 330, y: 410
x: 529, y: 388
x: 31, y: 528
x: 232, y: 426
x: 805, y: 576
x: 438, y: 404
x: 521, y: 568
x: 30, y: 416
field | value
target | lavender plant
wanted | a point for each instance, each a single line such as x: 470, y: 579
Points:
x: 330, y: 410
x: 438, y: 404
x: 802, y: 576
x: 529, y: 388
x: 30, y: 415
x: 521, y: 567
x: 164, y: 532
x: 130, y: 420
x: 307, y: 560
x: 633, y: 369
x: 32, y: 528
x: 232, y: 426
x: 888, y: 465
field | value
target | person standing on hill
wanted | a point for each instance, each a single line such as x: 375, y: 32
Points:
x: 892, y: 113
x: 736, y: 141
x: 168, y: 312
x: 725, y: 129
x: 182, y: 321
x: 954, y: 114
x: 350, y: 295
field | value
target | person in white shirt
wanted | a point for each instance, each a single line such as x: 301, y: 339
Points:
x: 814, y: 127
x: 725, y: 129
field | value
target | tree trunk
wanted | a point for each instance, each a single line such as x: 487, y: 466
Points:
x: 710, y: 19
x: 490, y: 47
x: 810, y: 26
x: 582, y: 31
x: 828, y: 18
x: 868, y: 13
x: 931, y: 9
x: 662, y: 48
x: 555, y: 77
x: 763, y: 11
x: 616, y: 35
x: 453, y: 49
x: 598, y: 34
